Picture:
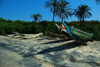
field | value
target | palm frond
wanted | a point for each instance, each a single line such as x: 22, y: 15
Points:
x: 66, y: 14
x: 83, y: 11
x: 48, y: 4
x: 97, y: 1
x: 36, y: 16
x: 64, y: 9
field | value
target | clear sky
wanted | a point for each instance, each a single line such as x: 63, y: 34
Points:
x: 22, y: 9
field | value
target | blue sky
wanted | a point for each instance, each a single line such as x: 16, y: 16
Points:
x: 22, y: 9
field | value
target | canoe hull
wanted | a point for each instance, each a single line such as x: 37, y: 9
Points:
x: 77, y: 35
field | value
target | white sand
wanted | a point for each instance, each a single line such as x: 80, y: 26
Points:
x: 41, y: 52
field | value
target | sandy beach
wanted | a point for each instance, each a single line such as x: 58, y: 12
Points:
x: 45, y: 52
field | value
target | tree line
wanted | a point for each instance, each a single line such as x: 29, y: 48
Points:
x: 8, y: 26
x: 62, y: 9
x: 59, y: 9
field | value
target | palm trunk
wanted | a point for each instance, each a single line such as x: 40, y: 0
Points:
x: 54, y: 11
x: 80, y: 21
x: 53, y: 16
x: 62, y: 16
x: 83, y: 19
x: 35, y: 21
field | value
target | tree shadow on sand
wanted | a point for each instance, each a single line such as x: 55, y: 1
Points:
x: 57, y: 41
x: 58, y: 48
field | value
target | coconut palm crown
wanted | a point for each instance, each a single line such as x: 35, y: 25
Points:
x: 97, y: 1
x: 82, y: 12
x: 64, y: 9
x: 36, y: 17
x: 53, y: 5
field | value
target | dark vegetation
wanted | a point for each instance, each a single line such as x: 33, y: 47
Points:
x: 7, y: 26
x: 60, y: 9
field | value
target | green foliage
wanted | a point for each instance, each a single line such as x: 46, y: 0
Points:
x: 7, y: 26
x: 53, y: 5
x: 64, y: 10
x: 36, y: 17
x: 82, y: 12
x: 97, y: 1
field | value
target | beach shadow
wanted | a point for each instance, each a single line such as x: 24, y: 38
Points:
x: 8, y: 47
x: 59, y: 48
x: 12, y: 47
x: 57, y: 41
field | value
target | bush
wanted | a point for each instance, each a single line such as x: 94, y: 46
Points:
x: 7, y: 26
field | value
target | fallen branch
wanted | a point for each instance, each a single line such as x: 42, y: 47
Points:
x: 55, y: 35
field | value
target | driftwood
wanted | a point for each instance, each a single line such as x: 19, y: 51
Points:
x: 25, y: 36
x: 55, y: 35
x: 16, y: 33
x: 32, y: 36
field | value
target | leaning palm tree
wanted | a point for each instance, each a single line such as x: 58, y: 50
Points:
x: 53, y: 5
x: 36, y: 17
x: 83, y: 12
x: 64, y: 9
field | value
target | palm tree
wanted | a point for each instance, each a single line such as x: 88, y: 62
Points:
x: 86, y: 13
x: 82, y: 12
x: 53, y: 5
x: 78, y: 13
x: 64, y: 9
x: 36, y: 17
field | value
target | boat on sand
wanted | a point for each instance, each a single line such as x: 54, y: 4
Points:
x: 76, y: 34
